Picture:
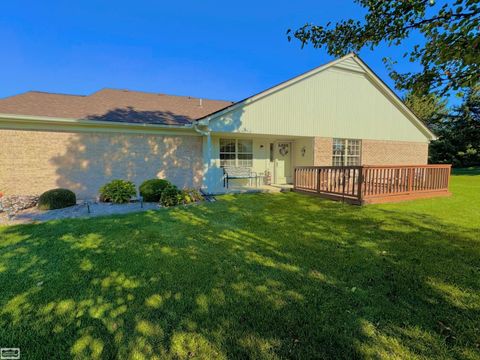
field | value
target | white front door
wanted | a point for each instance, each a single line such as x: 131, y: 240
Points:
x: 283, y: 162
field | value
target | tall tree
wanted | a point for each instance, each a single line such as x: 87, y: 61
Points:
x: 459, y: 133
x: 430, y: 108
x: 449, y: 54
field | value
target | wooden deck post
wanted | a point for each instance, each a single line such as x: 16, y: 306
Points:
x: 361, y: 179
x: 448, y: 175
x: 294, y: 178
x: 318, y: 179
x: 410, y: 179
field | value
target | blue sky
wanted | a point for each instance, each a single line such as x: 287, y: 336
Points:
x: 210, y: 49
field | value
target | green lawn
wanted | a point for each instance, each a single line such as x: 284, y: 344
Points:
x: 250, y: 276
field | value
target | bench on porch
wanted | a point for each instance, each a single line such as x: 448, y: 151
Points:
x: 234, y: 172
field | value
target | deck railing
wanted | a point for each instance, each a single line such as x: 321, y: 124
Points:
x: 372, y: 183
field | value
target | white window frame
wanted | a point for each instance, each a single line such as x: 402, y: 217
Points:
x: 236, y: 153
x: 347, y: 156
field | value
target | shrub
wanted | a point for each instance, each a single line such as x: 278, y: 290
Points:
x: 117, y: 191
x: 171, y: 196
x: 152, y: 189
x: 190, y: 195
x: 56, y: 199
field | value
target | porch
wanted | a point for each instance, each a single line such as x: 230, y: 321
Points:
x: 262, y: 188
x: 270, y: 161
x: 373, y: 184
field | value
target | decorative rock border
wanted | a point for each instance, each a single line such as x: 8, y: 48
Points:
x: 12, y: 204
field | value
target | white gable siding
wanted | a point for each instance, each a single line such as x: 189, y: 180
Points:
x: 340, y: 101
x: 350, y: 64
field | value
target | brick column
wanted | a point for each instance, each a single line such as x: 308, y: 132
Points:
x: 322, y: 151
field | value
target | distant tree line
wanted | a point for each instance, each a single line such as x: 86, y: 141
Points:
x: 457, y: 128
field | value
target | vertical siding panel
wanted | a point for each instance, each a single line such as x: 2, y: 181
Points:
x: 332, y: 103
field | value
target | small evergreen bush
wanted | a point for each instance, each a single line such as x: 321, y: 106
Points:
x: 56, y: 199
x: 151, y: 190
x: 190, y: 195
x: 117, y: 191
x: 171, y: 196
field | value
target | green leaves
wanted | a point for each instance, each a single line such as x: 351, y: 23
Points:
x: 450, y: 56
x: 117, y: 191
x: 459, y: 133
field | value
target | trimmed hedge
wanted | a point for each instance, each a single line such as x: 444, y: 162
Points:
x: 56, y: 199
x: 118, y: 191
x: 151, y: 190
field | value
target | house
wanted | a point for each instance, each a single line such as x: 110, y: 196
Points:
x: 340, y: 113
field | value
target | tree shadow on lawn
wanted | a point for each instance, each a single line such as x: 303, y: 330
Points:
x: 252, y: 276
x: 470, y: 171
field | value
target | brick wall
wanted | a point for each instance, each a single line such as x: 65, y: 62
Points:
x: 322, y: 151
x: 376, y: 152
x: 34, y: 161
x: 379, y: 152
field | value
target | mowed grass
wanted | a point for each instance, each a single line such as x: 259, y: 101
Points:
x: 250, y: 276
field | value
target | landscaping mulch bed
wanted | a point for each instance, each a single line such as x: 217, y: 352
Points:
x: 32, y: 214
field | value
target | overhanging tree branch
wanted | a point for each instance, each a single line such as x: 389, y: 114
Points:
x: 450, y: 56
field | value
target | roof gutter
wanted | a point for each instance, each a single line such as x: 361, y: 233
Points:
x: 28, y: 122
x: 196, y: 125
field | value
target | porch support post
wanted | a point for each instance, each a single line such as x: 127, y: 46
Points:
x: 207, y: 162
x: 212, y: 174
x: 207, y: 152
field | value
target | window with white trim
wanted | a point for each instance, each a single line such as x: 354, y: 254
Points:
x: 236, y: 152
x: 346, y: 152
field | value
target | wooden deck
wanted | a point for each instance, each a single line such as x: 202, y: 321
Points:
x: 373, y: 184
